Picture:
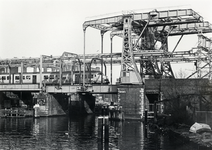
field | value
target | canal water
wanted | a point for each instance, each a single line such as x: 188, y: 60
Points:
x: 80, y: 133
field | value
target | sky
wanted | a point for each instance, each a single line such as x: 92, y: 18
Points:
x: 30, y: 28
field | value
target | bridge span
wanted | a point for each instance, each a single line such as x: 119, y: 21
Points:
x: 145, y: 63
x: 95, y: 89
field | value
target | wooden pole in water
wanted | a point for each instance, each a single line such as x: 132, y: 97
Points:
x: 100, y: 129
x: 100, y: 133
x: 106, y: 129
x: 103, y: 129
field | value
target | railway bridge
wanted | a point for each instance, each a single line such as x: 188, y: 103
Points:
x: 146, y: 74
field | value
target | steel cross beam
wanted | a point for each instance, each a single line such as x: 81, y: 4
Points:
x: 180, y: 29
x: 146, y: 54
x: 164, y: 17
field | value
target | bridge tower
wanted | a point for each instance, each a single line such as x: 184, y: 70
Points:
x: 129, y: 70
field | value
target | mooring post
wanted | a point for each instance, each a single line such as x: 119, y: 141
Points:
x: 106, y: 129
x: 36, y: 110
x: 103, y: 129
x: 100, y: 133
x: 100, y: 129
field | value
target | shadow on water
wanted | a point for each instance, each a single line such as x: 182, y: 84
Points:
x: 80, y: 133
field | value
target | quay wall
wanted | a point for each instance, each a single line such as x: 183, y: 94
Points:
x: 183, y: 98
x: 180, y: 86
x: 198, y: 91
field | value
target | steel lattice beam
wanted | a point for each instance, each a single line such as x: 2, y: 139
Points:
x: 128, y: 65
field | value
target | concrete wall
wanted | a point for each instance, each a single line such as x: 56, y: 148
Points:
x: 131, y: 98
x: 48, y: 105
x: 180, y: 86
x: 184, y: 97
x: 183, y: 89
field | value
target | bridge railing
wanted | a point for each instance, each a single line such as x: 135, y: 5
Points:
x: 77, y: 88
x: 9, y: 87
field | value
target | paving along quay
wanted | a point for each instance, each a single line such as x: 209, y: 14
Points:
x: 147, y: 89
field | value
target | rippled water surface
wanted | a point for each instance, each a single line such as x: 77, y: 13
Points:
x: 80, y: 133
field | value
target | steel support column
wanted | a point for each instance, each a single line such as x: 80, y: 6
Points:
x: 201, y: 43
x: 60, y: 72
x: 22, y: 70
x: 102, y: 41
x: 166, y: 69
x: 129, y: 70
x: 210, y: 60
x: 111, y: 62
x: 84, y: 60
x: 41, y: 66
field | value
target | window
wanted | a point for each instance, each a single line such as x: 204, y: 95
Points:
x: 23, y: 77
x: 17, y: 77
x: 45, y: 77
x: 8, y: 77
x: 51, y: 76
x: 3, y: 77
x: 28, y: 77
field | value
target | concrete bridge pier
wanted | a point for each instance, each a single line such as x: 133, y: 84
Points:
x: 48, y: 105
x: 81, y: 103
x: 132, y: 99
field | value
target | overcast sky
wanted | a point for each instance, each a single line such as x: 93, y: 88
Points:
x: 30, y: 28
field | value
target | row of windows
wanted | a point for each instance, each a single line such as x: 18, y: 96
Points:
x: 45, y: 77
x: 24, y: 77
x: 16, y: 77
x: 87, y: 76
x: 5, y: 77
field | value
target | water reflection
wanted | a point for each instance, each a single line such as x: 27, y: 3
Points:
x: 80, y: 133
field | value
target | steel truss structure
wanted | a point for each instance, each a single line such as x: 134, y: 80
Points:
x: 140, y: 56
x: 141, y: 32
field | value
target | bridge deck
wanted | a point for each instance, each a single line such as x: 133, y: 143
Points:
x: 19, y: 87
x: 56, y: 89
